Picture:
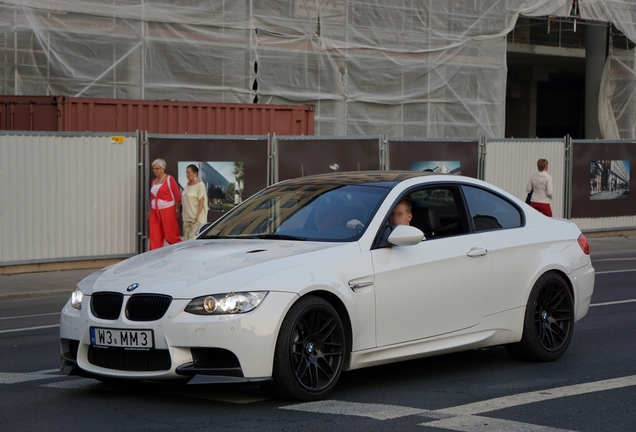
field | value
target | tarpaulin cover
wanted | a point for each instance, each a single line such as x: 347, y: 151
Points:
x: 400, y: 67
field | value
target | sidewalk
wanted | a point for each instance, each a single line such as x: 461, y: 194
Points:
x: 53, y: 283
x: 56, y: 283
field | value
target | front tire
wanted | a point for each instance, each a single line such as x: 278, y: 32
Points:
x: 548, y: 321
x: 310, y: 351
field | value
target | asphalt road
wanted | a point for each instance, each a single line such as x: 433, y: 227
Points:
x: 592, y: 388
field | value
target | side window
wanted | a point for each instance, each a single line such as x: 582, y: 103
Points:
x: 435, y: 212
x: 489, y: 211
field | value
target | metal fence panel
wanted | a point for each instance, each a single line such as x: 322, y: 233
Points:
x: 509, y: 164
x: 67, y: 197
x: 300, y: 156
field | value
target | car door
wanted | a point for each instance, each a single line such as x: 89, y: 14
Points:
x: 438, y: 286
x: 514, y: 253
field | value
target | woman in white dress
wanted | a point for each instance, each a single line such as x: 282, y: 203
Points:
x: 194, y: 202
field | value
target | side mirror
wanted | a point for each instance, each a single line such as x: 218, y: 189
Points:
x: 405, y: 235
x: 202, y: 228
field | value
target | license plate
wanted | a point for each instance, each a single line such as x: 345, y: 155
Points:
x: 119, y: 338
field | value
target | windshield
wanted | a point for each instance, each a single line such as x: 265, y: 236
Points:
x: 315, y: 212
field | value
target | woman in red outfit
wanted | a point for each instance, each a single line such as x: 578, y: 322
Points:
x: 165, y: 206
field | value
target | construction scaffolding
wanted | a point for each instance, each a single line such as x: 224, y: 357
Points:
x: 398, y: 67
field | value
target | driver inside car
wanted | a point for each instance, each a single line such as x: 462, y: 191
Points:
x: 400, y: 215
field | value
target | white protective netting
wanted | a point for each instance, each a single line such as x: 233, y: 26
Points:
x: 617, y: 97
x: 433, y: 68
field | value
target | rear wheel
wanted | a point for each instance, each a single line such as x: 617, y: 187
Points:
x: 548, y: 322
x: 310, y: 351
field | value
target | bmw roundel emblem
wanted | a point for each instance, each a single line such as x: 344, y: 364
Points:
x: 132, y: 287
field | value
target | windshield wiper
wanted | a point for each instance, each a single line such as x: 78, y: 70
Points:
x: 274, y: 236
x: 213, y: 236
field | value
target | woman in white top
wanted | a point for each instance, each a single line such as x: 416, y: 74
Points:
x: 540, y: 185
x: 194, y: 203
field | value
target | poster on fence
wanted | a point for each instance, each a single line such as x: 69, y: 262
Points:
x: 232, y: 169
x: 444, y: 157
x: 223, y: 181
x: 601, y: 177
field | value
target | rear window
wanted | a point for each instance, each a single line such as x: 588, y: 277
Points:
x: 491, y: 212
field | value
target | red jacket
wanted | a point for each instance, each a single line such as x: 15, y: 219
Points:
x: 166, y: 196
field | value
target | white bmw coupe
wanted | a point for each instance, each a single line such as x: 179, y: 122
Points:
x: 310, y: 278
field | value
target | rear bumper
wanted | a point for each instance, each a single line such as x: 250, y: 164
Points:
x: 583, y: 282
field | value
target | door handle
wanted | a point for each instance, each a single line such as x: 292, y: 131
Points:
x: 476, y: 252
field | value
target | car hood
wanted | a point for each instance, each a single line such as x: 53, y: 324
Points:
x: 182, y: 270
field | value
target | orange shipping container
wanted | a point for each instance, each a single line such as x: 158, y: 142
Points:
x: 71, y: 114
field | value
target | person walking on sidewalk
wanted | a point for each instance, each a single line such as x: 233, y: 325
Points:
x: 165, y: 206
x: 540, y: 185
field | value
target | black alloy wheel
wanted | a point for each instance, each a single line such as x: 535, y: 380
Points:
x: 549, y: 321
x: 310, y: 351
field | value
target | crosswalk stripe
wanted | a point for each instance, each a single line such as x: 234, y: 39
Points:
x: 539, y: 396
x: 374, y: 411
x: 477, y: 423
x: 466, y: 418
x: 17, y: 377
x: 72, y: 384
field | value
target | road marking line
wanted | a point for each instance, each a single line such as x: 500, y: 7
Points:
x: 29, y: 328
x: 49, y: 371
x: 465, y: 418
x: 14, y: 378
x: 613, y: 259
x: 615, y: 271
x: 72, y: 384
x: 29, y: 316
x: 477, y: 423
x: 539, y: 396
x: 613, y: 302
x: 374, y: 411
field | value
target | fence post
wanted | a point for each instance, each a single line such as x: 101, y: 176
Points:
x: 567, y: 205
x: 384, y: 153
x: 144, y: 191
x: 481, y: 158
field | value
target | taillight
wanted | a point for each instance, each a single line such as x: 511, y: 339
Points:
x: 584, y: 244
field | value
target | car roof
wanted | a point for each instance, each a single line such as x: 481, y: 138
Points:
x: 377, y: 178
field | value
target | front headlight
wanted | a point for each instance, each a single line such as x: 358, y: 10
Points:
x: 76, y: 298
x: 230, y: 303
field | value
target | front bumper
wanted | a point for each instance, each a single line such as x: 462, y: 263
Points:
x: 218, y: 348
